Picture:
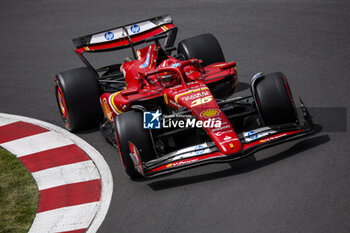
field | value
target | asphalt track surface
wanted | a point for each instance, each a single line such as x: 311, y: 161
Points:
x: 300, y: 186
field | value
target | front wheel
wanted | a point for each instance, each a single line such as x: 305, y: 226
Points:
x: 129, y: 129
x: 274, y: 99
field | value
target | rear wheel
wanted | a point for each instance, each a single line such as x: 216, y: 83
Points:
x: 129, y: 128
x: 77, y: 95
x: 274, y: 99
x: 205, y: 47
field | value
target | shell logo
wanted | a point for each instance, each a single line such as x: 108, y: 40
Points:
x: 210, y: 113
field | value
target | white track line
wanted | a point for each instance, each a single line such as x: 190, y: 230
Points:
x: 6, y: 121
x: 97, y: 158
x: 64, y: 219
x: 66, y: 174
x: 36, y: 143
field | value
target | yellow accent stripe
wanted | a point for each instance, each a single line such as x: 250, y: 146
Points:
x: 188, y: 92
x: 115, y: 107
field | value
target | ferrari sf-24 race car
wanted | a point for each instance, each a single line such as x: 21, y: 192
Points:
x: 168, y: 112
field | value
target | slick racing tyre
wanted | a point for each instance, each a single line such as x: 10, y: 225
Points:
x: 129, y: 128
x: 204, y: 46
x: 274, y: 99
x: 77, y: 95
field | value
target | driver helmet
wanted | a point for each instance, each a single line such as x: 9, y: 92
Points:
x: 168, y: 78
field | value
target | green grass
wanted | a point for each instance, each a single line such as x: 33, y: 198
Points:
x: 18, y: 195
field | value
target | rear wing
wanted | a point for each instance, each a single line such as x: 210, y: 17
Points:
x: 127, y: 35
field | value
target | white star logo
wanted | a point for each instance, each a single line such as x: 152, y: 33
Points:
x: 155, y: 115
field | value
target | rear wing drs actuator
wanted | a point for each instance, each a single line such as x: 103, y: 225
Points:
x: 126, y: 36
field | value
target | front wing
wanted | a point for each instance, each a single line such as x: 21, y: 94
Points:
x: 206, y: 153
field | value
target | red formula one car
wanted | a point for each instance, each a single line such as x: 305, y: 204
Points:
x: 169, y: 112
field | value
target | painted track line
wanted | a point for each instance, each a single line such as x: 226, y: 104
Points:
x: 78, y: 193
x: 65, y: 219
x: 19, y: 130
x: 36, y: 143
x: 66, y: 174
x: 54, y: 157
x: 60, y: 163
x: 6, y: 121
